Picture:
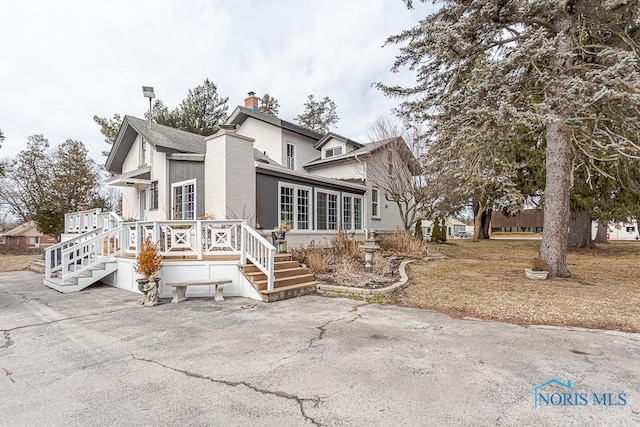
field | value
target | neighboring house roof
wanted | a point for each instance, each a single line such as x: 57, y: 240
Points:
x: 21, y: 229
x: 328, y: 137
x: 240, y: 114
x: 162, y: 138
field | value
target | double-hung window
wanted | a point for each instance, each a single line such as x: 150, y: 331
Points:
x: 143, y: 151
x: 291, y: 156
x: 295, y: 206
x: 375, y: 204
x: 184, y: 200
x: 154, y: 195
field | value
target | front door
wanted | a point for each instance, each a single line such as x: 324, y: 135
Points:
x: 143, y: 205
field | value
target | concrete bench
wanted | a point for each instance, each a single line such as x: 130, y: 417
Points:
x: 179, y: 289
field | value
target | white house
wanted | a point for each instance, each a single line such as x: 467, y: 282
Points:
x: 229, y: 190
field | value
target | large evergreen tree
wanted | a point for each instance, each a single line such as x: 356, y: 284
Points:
x: 109, y: 128
x: 201, y: 111
x: 569, y: 67
x: 269, y: 105
x: 42, y: 185
x: 318, y: 116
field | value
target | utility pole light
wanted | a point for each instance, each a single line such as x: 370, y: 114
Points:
x: 148, y: 92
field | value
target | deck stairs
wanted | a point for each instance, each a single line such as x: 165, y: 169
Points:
x: 95, y: 270
x: 291, y: 280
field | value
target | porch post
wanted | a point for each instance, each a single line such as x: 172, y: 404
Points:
x: 243, y: 244
x: 199, y: 239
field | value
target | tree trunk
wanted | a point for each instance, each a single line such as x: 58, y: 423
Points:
x: 553, y: 249
x: 580, y: 231
x: 601, y: 234
x: 486, y: 223
x: 637, y: 228
x: 478, y: 211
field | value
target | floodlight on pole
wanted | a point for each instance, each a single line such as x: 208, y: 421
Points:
x: 148, y: 92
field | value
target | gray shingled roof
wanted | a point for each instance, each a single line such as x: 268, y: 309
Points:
x: 240, y: 114
x: 168, y: 137
x: 366, y: 149
x: 318, y: 145
x: 163, y: 138
x: 259, y: 156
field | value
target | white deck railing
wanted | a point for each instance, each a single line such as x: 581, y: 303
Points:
x: 194, y: 238
x: 81, y: 222
x: 74, y: 256
x: 185, y: 238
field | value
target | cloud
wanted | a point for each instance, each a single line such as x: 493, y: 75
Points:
x: 65, y: 61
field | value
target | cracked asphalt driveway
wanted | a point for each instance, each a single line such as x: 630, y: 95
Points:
x: 97, y: 358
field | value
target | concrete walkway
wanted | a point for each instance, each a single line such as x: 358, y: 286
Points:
x: 98, y: 358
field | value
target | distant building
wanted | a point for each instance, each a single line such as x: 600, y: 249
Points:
x: 532, y: 220
x: 527, y: 220
x: 25, y: 236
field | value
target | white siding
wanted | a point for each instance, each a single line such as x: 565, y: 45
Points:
x: 230, y: 179
x: 159, y: 173
x: 350, y: 170
x: 333, y: 143
x: 304, y: 149
x: 267, y: 138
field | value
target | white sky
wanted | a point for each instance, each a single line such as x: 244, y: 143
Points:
x: 63, y: 61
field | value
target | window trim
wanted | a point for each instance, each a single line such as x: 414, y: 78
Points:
x: 142, y: 159
x: 290, y: 161
x: 333, y: 151
x: 375, y: 213
x: 295, y: 188
x: 353, y: 197
x: 338, y: 195
x: 195, y: 198
x: 153, y: 196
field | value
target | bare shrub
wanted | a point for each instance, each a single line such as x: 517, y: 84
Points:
x: 538, y: 264
x: 312, y: 256
x: 400, y: 242
x: 317, y: 261
x: 343, y: 245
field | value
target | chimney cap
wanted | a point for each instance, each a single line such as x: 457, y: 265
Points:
x: 251, y: 93
x: 228, y: 127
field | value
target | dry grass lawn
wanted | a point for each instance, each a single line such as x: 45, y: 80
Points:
x: 14, y: 262
x: 486, y: 280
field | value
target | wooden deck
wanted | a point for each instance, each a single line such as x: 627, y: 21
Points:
x: 221, y: 257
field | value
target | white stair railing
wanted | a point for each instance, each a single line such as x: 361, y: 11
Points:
x: 75, y: 256
x: 260, y: 252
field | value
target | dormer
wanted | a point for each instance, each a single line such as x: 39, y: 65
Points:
x: 333, y: 145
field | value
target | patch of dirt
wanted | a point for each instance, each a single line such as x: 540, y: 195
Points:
x: 347, y: 271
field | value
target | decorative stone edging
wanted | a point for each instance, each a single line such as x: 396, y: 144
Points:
x: 348, y: 291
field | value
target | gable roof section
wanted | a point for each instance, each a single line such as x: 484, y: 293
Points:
x: 366, y: 149
x: 162, y: 138
x: 21, y: 229
x: 240, y: 114
x: 328, y: 137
